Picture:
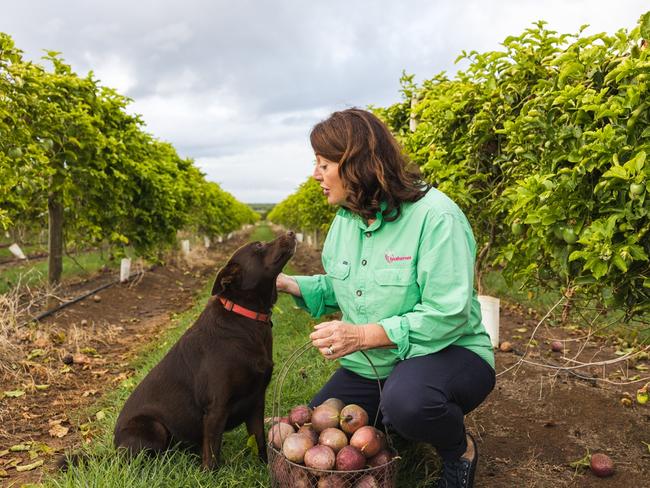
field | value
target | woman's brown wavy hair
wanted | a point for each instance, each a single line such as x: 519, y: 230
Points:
x: 372, y: 165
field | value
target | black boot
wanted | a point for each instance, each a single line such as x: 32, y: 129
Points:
x: 459, y: 473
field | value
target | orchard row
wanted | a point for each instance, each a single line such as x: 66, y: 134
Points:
x: 72, y: 158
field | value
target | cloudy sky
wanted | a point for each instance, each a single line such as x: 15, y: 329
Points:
x: 237, y: 85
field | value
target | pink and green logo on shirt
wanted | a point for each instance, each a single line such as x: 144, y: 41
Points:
x: 391, y: 257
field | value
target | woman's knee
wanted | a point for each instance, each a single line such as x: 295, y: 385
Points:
x: 409, y: 411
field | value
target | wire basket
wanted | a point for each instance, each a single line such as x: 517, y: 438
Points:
x: 287, y: 474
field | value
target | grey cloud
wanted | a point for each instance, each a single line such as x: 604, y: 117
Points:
x: 242, y: 81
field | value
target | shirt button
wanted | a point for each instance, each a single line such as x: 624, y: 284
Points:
x: 364, y: 262
x: 359, y: 293
x: 368, y: 234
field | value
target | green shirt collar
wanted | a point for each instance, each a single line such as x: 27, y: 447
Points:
x: 379, y: 218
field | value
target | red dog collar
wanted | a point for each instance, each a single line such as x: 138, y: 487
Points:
x: 251, y: 314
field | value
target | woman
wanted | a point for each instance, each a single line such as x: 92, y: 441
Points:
x: 399, y: 258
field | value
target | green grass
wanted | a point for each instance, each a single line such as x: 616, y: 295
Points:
x: 35, y: 273
x: 262, y: 233
x: 240, y: 466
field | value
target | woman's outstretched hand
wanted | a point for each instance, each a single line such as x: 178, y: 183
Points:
x: 335, y: 339
x: 287, y: 284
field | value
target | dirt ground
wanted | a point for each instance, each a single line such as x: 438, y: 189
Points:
x: 534, y: 424
x: 539, y: 420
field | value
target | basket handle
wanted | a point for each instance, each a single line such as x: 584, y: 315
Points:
x: 276, y: 409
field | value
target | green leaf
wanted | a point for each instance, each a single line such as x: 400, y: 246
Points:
x: 644, y: 27
x: 619, y: 262
x: 30, y: 467
x: 637, y: 252
x: 14, y: 393
x: 616, y: 172
x: 252, y: 444
x: 570, y: 70
x: 576, y: 255
x: 599, y: 269
x: 35, y: 353
x: 583, y: 462
x: 20, y: 447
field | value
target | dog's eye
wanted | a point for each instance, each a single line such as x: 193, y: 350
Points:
x: 259, y: 246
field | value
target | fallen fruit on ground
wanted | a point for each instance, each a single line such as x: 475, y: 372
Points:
x: 505, y: 346
x: 557, y: 346
x: 626, y: 399
x: 601, y: 465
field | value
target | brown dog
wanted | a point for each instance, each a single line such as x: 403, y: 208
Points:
x: 215, y: 376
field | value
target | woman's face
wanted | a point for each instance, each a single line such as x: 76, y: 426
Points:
x: 327, y: 174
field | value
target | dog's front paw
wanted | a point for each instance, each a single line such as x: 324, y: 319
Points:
x: 263, y: 457
x: 210, y: 463
x: 213, y: 466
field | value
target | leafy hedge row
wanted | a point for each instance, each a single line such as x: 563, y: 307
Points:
x: 66, y: 140
x: 544, y: 145
x: 306, y: 209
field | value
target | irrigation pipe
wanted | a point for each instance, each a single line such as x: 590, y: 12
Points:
x: 77, y: 299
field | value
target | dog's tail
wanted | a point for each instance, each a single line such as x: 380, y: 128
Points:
x: 71, y: 459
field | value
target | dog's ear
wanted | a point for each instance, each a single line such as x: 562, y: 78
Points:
x: 230, y: 273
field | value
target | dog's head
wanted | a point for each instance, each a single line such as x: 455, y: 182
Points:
x: 253, y: 268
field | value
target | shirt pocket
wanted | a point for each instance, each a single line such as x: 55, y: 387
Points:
x: 395, y: 276
x: 396, y: 291
x: 339, y: 274
x: 339, y: 270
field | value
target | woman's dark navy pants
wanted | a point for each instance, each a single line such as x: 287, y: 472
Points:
x: 424, y: 398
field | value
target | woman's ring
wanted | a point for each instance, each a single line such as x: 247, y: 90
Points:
x: 330, y: 351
